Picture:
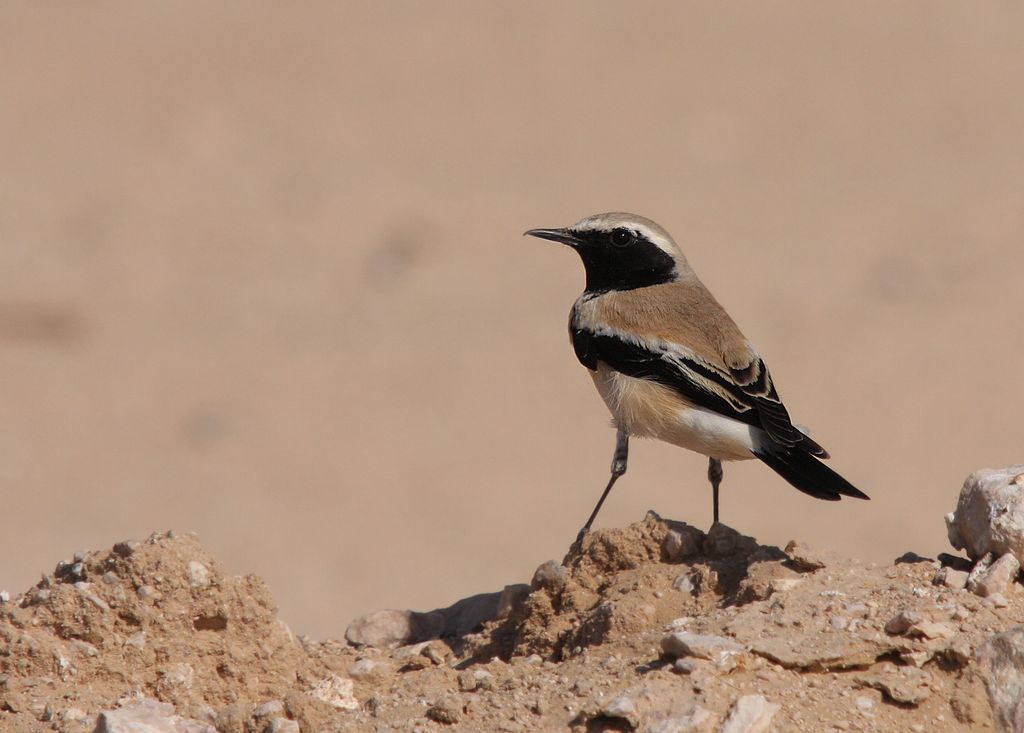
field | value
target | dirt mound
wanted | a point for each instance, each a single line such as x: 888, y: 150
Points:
x: 158, y: 618
x: 621, y: 582
x: 655, y: 627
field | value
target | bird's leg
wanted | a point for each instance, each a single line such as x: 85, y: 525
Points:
x: 715, y: 477
x: 618, y: 468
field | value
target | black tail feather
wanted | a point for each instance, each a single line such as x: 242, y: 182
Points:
x: 809, y: 475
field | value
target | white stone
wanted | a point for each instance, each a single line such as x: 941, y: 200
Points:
x: 705, y: 646
x: 283, y: 725
x: 695, y: 721
x: 145, y: 715
x: 997, y: 577
x: 750, y: 714
x: 336, y: 691
x: 989, y: 514
x: 198, y: 575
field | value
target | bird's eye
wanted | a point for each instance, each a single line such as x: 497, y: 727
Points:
x: 622, y: 237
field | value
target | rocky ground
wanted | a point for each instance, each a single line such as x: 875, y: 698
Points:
x: 655, y: 627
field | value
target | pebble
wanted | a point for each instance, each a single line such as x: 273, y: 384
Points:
x: 839, y: 622
x: 42, y: 595
x: 750, y: 714
x: 551, y: 575
x: 951, y: 578
x: 143, y: 715
x: 126, y: 548
x: 693, y: 722
x: 863, y: 703
x: 684, y: 665
x: 148, y: 591
x: 447, y: 712
x: 781, y: 585
x: 369, y: 668
x: 198, y: 575
x: 902, y: 622
x: 269, y: 708
x: 705, y: 646
x: 931, y: 630
x: 998, y: 600
x: 620, y: 707
x: 283, y: 725
x: 336, y: 692
x: 681, y: 544
x: 683, y: 584
x: 996, y: 578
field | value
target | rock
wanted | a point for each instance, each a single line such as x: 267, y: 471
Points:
x: 904, y: 685
x: 683, y: 584
x: 951, y: 578
x: 997, y: 600
x: 682, y: 543
x: 447, y: 711
x: 902, y: 622
x: 781, y: 585
x: 335, y: 691
x: 269, y: 709
x: 621, y: 707
x: 811, y: 650
x: 989, y: 514
x: 550, y: 575
x: 931, y: 630
x: 145, y: 715
x: 704, y: 646
x: 750, y: 714
x: 1001, y: 660
x: 979, y: 570
x: 198, y: 575
x: 698, y: 720
x: 369, y: 669
x: 997, y: 578
x: 479, y: 679
x: 126, y: 548
x: 391, y: 628
x: 282, y: 725
x: 804, y: 558
x: 684, y: 666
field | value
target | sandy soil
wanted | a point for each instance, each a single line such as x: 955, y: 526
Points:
x: 262, y: 278
x: 810, y: 632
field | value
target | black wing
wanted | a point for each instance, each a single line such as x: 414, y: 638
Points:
x: 754, y: 403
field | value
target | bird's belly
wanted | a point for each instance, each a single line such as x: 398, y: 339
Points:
x: 647, y: 409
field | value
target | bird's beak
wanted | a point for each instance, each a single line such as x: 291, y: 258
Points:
x: 565, y: 236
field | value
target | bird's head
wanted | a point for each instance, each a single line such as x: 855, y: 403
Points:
x: 620, y: 251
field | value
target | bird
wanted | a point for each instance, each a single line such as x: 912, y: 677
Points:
x: 671, y: 364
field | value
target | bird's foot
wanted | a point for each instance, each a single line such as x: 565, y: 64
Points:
x: 577, y: 545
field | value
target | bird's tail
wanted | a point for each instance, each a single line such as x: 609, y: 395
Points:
x: 809, y: 475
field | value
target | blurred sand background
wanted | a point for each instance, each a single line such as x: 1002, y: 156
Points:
x: 262, y: 274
